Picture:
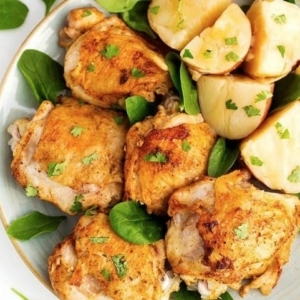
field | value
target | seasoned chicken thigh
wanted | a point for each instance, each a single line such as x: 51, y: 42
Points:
x: 94, y: 263
x: 225, y: 230
x: 72, y: 154
x: 164, y: 153
x: 110, y: 62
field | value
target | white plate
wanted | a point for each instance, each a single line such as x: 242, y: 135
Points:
x: 17, y: 101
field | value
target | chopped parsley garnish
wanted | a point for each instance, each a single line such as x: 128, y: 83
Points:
x: 241, y: 231
x: 86, y: 13
x: 120, y: 264
x: 91, y: 67
x: 77, y: 131
x: 106, y: 274
x: 281, y: 49
x: 255, y: 161
x: 231, y: 105
x: 89, y: 159
x: 155, y: 9
x: 263, y: 95
x: 187, y: 54
x: 231, y: 41
x: 77, y: 204
x: 207, y: 53
x: 137, y: 73
x: 251, y: 111
x: 92, y: 211
x: 281, y: 131
x: 31, y: 191
x: 294, y: 177
x: 232, y: 56
x: 99, y: 239
x: 186, y: 146
x: 119, y: 120
x: 279, y: 19
x: 55, y: 169
x: 158, y: 157
x: 110, y: 51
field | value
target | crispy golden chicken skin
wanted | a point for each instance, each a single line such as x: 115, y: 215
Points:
x: 94, y: 263
x: 110, y: 62
x: 225, y: 230
x: 164, y: 153
x: 72, y: 153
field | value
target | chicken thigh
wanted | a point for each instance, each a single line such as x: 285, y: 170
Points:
x: 225, y: 230
x: 72, y: 154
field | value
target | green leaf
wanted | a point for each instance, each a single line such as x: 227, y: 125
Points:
x: 77, y: 204
x: 232, y: 56
x: 117, y: 6
x: 48, y: 4
x: 89, y: 159
x: 241, y: 231
x: 32, y: 225
x: 185, y: 294
x: 251, y: 111
x: 226, y: 296
x: 230, y: 105
x: 157, y: 157
x: 231, y: 41
x: 55, y: 169
x: 173, y: 62
x: 222, y: 157
x: 120, y: 264
x: 19, y: 294
x: 187, y: 53
x: 132, y: 223
x: 109, y: 52
x: 137, y: 108
x: 31, y: 191
x: 77, y: 131
x: 43, y: 74
x: 13, y: 13
x: 255, y: 161
x: 137, y: 73
x: 294, y: 177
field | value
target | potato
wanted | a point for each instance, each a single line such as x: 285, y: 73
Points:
x: 233, y: 105
x: 276, y: 39
x: 221, y: 48
x: 272, y: 151
x: 177, y: 22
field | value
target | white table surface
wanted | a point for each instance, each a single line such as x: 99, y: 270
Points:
x: 14, y: 273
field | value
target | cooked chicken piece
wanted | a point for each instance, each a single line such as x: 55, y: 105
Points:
x: 111, y: 62
x: 164, y: 153
x: 94, y: 263
x: 73, y: 154
x: 225, y: 230
x: 79, y: 21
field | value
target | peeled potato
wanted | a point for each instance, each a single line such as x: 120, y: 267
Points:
x: 234, y: 105
x: 221, y: 48
x: 177, y: 22
x: 276, y: 39
x: 272, y: 151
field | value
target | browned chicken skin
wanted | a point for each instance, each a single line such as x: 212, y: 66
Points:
x: 225, y: 230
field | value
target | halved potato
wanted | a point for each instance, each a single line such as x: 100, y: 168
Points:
x: 177, y: 22
x: 233, y: 105
x: 221, y: 48
x: 272, y: 151
x: 276, y: 39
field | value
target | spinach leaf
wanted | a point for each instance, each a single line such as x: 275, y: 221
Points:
x: 32, y: 225
x: 183, y: 83
x: 48, y: 4
x: 43, y: 74
x: 132, y: 223
x: 291, y: 1
x: 12, y: 14
x: 185, y: 294
x: 137, y: 108
x: 137, y: 19
x: 222, y: 157
x: 226, y: 296
x: 117, y: 6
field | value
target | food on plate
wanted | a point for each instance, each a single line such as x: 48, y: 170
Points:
x: 94, y: 263
x: 271, y: 152
x: 72, y: 154
x: 110, y: 62
x: 275, y: 47
x: 221, y: 48
x: 233, y: 105
x: 224, y: 230
x: 163, y: 153
x: 178, y: 22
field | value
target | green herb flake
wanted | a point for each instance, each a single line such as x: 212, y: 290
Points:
x: 120, y: 264
x: 55, y: 169
x: 119, y: 120
x: 137, y: 73
x: 155, y: 9
x: 19, y: 294
x: 187, y: 54
x: 98, y: 239
x: 241, y: 231
x: 207, y: 53
x: 255, y: 161
x: 77, y: 204
x: 186, y: 146
x: 231, y: 41
x: 232, y: 56
x: 86, y: 13
x: 158, y: 157
x: 281, y: 131
x: 106, y: 274
x: 251, y: 111
x: 231, y: 105
x: 279, y: 19
x: 92, y: 211
x: 262, y: 96
x: 31, y: 191
x: 281, y: 49
x: 110, y: 51
x: 77, y: 131
x: 89, y: 159
x: 294, y: 177
x: 91, y: 67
